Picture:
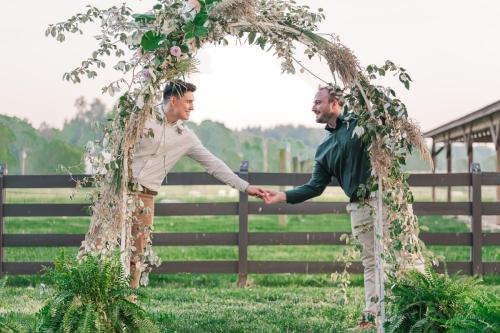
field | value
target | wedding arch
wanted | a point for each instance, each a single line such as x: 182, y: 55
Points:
x: 164, y: 42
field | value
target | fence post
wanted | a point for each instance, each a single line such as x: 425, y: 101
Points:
x: 3, y: 171
x: 284, y: 163
x: 243, y: 230
x: 477, y: 230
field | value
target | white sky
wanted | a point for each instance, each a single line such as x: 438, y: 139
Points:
x: 450, y: 48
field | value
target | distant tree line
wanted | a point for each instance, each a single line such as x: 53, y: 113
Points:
x: 48, y: 150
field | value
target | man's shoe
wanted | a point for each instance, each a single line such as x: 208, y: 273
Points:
x: 367, y: 321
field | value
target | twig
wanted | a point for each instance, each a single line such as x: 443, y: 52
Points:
x: 309, y: 71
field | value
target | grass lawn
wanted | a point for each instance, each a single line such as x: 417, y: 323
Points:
x: 212, y: 303
x: 202, y: 303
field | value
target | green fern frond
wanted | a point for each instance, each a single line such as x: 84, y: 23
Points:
x: 6, y: 327
x: 430, y: 302
x: 91, y: 296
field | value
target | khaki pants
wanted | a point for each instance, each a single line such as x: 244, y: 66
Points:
x: 362, y: 223
x: 141, y: 230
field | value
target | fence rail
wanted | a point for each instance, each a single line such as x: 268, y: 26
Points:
x: 476, y: 239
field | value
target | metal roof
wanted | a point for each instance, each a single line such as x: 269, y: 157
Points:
x: 478, y: 123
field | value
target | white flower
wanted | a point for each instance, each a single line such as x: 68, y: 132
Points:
x: 190, y: 9
x: 359, y: 131
x: 168, y: 27
x: 133, y: 39
x: 140, y: 101
x: 179, y: 126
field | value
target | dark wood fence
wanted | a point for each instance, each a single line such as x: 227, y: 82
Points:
x: 475, y: 239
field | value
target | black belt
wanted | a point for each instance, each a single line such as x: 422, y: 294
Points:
x: 146, y: 190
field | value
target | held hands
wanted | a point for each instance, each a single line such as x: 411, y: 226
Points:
x: 257, y: 192
x: 269, y: 196
x: 274, y: 197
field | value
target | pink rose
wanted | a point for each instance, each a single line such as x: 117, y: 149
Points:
x: 176, y: 51
x: 195, y: 4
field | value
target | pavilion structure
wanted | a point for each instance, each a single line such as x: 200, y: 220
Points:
x: 482, y: 126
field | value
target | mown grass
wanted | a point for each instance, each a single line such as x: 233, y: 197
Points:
x: 214, y: 304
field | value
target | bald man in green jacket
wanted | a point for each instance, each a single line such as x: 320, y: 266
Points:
x: 343, y: 156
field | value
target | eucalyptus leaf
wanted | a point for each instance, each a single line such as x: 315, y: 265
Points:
x: 251, y: 37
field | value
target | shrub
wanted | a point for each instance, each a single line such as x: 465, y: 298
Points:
x: 91, y: 296
x: 431, y: 302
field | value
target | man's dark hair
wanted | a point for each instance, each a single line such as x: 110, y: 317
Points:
x: 177, y: 89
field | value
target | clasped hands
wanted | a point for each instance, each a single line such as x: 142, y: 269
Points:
x: 268, y: 196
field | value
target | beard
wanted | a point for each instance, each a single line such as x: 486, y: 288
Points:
x: 322, y: 119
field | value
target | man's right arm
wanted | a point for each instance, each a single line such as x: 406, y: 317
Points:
x: 320, y: 179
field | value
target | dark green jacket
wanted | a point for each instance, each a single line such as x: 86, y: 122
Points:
x: 340, y: 155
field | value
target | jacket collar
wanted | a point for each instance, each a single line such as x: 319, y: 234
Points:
x: 178, y: 126
x: 339, y: 122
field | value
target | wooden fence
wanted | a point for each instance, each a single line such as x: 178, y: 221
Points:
x: 475, y: 239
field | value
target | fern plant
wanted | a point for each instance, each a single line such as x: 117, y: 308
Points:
x: 91, y: 296
x: 7, y: 327
x: 434, y: 303
x: 482, y: 314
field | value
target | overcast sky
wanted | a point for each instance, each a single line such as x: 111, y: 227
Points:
x: 450, y: 48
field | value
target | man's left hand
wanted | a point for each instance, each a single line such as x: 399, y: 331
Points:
x: 255, y: 191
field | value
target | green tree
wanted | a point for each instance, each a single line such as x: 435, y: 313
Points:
x: 44, y: 156
x: 7, y: 139
x: 62, y: 155
x: 26, y: 138
x: 82, y: 128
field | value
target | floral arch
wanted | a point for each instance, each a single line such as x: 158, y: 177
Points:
x: 164, y: 42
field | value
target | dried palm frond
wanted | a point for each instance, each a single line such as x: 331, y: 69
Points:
x: 235, y: 9
x: 182, y: 68
x: 342, y: 61
x: 381, y: 160
x: 415, y: 136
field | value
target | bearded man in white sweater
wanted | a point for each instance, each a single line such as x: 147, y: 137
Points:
x: 156, y: 155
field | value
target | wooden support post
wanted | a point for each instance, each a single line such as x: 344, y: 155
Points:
x: 243, y: 230
x: 303, y: 166
x: 283, y: 168
x: 469, y: 141
x: 433, y: 155
x: 379, y: 259
x: 448, y: 165
x: 470, y: 152
x: 295, y: 164
x: 495, y: 138
x: 265, y: 158
x: 477, y: 230
x: 498, y: 170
